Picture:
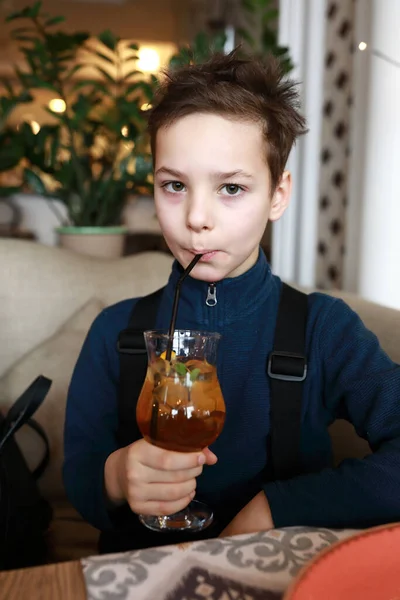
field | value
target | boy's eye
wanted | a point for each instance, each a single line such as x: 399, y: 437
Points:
x: 232, y: 189
x: 174, y: 186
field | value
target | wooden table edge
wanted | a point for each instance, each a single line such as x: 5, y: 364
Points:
x: 61, y: 581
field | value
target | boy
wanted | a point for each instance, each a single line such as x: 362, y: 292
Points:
x: 221, y: 134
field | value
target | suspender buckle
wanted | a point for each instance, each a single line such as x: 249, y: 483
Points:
x: 287, y: 366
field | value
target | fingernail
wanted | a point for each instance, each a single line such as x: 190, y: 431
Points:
x: 192, y: 495
x: 202, y: 459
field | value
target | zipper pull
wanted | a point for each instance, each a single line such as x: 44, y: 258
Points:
x: 211, y: 299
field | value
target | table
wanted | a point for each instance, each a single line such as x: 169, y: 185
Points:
x: 62, y: 581
x: 256, y: 566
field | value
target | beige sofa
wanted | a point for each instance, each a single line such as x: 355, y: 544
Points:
x: 48, y: 299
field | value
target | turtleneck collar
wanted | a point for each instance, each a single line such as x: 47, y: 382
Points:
x: 236, y: 296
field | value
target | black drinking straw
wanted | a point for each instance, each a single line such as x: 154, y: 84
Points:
x: 175, y: 305
x: 155, y: 406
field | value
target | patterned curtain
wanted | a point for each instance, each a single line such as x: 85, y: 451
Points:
x: 335, y: 143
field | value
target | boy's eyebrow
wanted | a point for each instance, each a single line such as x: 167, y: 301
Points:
x: 218, y: 175
x: 169, y: 171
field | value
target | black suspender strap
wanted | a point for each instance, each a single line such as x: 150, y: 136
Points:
x: 133, y: 364
x: 287, y: 369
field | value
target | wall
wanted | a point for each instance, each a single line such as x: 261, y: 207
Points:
x: 143, y: 20
x: 379, y: 276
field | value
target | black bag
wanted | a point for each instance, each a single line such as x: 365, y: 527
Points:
x: 24, y: 514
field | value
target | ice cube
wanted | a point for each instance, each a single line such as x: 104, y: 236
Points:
x: 171, y: 393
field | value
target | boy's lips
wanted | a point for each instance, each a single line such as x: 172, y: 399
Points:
x: 207, y: 254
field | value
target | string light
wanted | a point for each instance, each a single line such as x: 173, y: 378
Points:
x: 35, y: 127
x: 149, y: 60
x: 57, y: 105
x: 362, y: 46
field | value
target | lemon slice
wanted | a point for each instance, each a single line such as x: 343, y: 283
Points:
x: 164, y: 355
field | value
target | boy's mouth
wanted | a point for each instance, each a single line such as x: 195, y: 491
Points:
x: 207, y: 254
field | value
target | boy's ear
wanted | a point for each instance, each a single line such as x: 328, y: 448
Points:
x: 281, y: 197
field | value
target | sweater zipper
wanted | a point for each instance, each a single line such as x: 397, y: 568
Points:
x: 211, y: 299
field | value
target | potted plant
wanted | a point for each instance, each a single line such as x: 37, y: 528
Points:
x: 11, y: 154
x: 257, y: 36
x: 93, y: 152
x: 259, y: 32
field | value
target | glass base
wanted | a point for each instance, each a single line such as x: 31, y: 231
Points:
x: 195, y: 517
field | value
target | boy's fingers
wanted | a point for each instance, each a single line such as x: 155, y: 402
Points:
x: 211, y: 458
x: 166, y: 460
x: 162, y: 507
x: 155, y: 476
x: 161, y: 492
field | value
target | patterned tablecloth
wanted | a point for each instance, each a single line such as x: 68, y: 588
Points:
x: 256, y: 566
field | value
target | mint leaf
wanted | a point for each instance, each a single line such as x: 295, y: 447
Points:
x: 194, y: 374
x: 180, y: 368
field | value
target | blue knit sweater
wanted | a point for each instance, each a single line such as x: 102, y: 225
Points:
x: 349, y: 377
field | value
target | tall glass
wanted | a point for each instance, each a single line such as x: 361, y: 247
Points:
x: 181, y: 408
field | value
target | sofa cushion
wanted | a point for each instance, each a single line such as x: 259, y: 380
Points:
x: 55, y: 358
x: 41, y: 287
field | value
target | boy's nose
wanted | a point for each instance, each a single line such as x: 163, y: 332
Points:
x: 199, y: 214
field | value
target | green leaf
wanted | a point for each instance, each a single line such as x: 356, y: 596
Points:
x: 270, y: 15
x: 132, y: 73
x: 11, y: 151
x: 33, y: 180
x: 5, y: 82
x: 269, y: 40
x: 74, y: 70
x: 34, y: 10
x: 148, y: 90
x: 81, y: 109
x: 54, y: 148
x: 245, y: 35
x: 219, y: 41
x: 18, y: 14
x: 144, y: 166
x: 249, y: 5
x: 104, y: 57
x: 13, y: 16
x: 180, y: 368
x: 130, y: 58
x: 108, y: 39
x: 106, y: 74
x: 54, y: 21
x: 194, y: 374
x: 37, y: 82
x: 97, y: 85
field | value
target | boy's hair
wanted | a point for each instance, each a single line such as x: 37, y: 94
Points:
x: 237, y: 88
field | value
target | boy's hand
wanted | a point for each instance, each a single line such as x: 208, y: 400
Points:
x: 154, y: 481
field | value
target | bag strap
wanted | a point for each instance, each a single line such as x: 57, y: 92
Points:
x: 133, y: 364
x: 287, y: 370
x: 40, y: 469
x: 24, y: 408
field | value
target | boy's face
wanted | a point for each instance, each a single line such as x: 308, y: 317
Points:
x: 212, y: 193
